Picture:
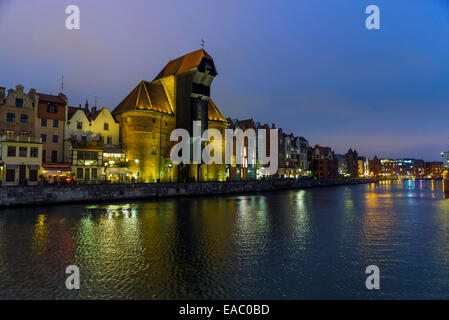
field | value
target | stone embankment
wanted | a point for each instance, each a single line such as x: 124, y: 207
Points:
x: 58, y: 194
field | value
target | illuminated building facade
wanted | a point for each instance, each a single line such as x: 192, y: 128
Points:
x: 179, y: 95
x: 375, y: 167
x: 363, y: 166
x: 434, y: 170
x: 89, y: 132
x: 49, y: 125
x: 402, y: 168
x: 20, y: 151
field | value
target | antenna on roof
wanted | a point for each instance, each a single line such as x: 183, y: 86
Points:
x: 62, y: 83
x: 202, y: 43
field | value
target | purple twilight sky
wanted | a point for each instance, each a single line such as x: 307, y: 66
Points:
x: 311, y: 67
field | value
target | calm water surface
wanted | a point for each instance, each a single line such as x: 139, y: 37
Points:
x: 312, y: 243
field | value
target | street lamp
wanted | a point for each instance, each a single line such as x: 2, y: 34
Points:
x: 169, y: 172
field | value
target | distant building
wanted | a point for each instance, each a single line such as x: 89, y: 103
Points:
x: 445, y: 156
x: 325, y: 162
x: 243, y: 171
x: 434, y: 169
x: 375, y: 167
x: 353, y: 163
x: 402, y: 168
x: 304, y: 159
x: 363, y: 166
x: 342, y: 165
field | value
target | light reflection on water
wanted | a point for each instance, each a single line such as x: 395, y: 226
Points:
x: 313, y: 243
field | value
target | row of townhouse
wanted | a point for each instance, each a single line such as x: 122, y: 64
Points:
x: 42, y: 139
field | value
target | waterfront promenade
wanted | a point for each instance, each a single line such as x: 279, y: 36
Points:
x: 58, y: 194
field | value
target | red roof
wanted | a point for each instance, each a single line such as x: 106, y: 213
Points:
x: 183, y: 64
x: 50, y: 98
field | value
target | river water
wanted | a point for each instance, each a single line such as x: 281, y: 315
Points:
x: 302, y: 244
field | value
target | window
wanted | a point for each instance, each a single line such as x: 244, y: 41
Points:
x: 43, y: 122
x: 34, y: 152
x: 55, y: 123
x: 79, y: 173
x: 109, y: 140
x: 11, y: 151
x: 44, y: 156
x: 23, y: 118
x: 33, y: 175
x: 11, y: 117
x: 154, y: 120
x: 52, y: 108
x: 19, y: 103
x: 83, y: 138
x: 10, y: 132
x: 44, y: 137
x: 10, y: 175
x: 154, y: 135
x: 153, y: 151
x: 24, y: 133
x: 79, y: 125
x: 166, y: 123
x: 23, y: 152
x: 106, y: 126
x: 54, y: 156
x: 55, y: 138
x: 94, y: 173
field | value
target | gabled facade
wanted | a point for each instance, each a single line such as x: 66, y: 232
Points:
x: 90, y: 137
x: 20, y: 151
x: 49, y: 126
x: 325, y: 162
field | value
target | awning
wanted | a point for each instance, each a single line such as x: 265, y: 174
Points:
x: 34, y: 167
x: 118, y: 171
x: 11, y: 166
x: 57, y: 166
x: 113, y: 150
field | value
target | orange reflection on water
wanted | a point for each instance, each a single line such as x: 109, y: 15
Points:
x: 40, y: 235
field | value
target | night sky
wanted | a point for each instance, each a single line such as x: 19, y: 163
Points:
x: 311, y: 67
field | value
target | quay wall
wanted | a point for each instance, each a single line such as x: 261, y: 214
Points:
x: 58, y: 194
